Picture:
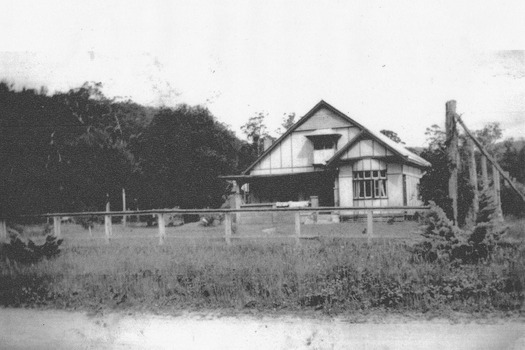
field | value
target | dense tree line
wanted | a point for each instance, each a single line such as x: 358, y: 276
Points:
x: 69, y: 151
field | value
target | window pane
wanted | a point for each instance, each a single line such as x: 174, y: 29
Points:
x: 368, y: 192
x: 367, y: 174
x: 375, y: 173
x: 383, y: 173
x: 382, y: 188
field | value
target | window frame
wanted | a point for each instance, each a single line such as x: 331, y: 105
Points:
x: 370, y: 184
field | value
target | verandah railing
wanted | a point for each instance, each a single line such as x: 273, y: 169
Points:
x: 161, y: 216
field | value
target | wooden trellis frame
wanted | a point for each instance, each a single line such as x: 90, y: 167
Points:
x: 452, y: 118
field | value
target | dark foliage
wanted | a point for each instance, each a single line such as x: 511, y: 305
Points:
x: 447, y: 243
x: 28, y: 252
x: 68, y: 151
x: 433, y: 185
x: 182, y: 154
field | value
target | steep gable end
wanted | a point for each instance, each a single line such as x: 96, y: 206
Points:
x: 321, y: 116
x: 323, y: 119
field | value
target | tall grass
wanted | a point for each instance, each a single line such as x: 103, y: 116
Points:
x: 335, y: 275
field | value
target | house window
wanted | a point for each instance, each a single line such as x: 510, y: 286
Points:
x: 324, y: 147
x: 324, y: 143
x: 370, y: 184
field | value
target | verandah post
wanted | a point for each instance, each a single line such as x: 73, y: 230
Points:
x: 162, y: 228
x: 56, y: 226
x: 228, y: 227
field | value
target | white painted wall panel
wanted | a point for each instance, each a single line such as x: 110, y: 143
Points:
x: 366, y: 148
x: 395, y: 189
x: 323, y: 119
x: 353, y: 152
x: 412, y: 190
x: 303, y: 150
x: 379, y: 150
x: 394, y: 168
x: 369, y: 164
x: 346, y: 188
x: 286, y: 152
x: 260, y: 172
x: 275, y: 158
x: 265, y: 163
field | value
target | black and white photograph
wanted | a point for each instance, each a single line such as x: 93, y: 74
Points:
x: 262, y: 174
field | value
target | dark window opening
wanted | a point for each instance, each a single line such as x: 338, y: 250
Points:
x: 370, y: 184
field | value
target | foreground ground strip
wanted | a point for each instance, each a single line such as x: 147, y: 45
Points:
x: 47, y: 329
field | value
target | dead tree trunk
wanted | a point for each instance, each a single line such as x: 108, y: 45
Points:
x: 473, y: 177
x: 453, y: 155
x: 484, y: 173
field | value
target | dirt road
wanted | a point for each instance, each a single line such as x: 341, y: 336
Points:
x: 44, y: 329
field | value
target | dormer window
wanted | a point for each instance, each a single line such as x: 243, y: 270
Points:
x: 325, y: 146
x: 324, y: 143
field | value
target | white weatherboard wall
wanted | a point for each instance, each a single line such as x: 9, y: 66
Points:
x: 412, y: 176
x: 294, y: 154
x: 366, y: 148
x: 394, y: 185
x: 346, y: 189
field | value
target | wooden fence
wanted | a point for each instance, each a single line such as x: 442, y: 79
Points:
x: 161, y: 216
x: 452, y: 144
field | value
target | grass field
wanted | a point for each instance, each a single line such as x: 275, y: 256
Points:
x: 333, y: 274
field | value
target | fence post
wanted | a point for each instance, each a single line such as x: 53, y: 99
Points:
x: 297, y: 228
x: 162, y: 228
x: 56, y: 226
x: 3, y: 229
x: 123, y: 207
x: 314, y: 202
x: 369, y: 225
x: 497, y: 191
x: 107, y: 224
x: 473, y: 177
x: 484, y: 173
x: 228, y: 227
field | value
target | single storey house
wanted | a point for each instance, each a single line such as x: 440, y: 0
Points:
x: 331, y: 158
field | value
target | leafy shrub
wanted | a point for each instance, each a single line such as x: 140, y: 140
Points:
x: 446, y: 242
x: 28, y: 252
x: 433, y: 186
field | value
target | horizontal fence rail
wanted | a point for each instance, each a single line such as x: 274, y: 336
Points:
x: 214, y: 211
x: 228, y: 219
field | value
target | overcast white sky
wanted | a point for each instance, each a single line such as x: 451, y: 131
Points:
x: 387, y: 64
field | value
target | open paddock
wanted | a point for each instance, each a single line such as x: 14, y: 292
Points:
x: 332, y: 274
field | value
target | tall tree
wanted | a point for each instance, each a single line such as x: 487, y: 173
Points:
x: 392, y: 136
x: 255, y: 130
x: 182, y: 153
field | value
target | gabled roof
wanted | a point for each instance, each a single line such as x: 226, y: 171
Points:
x: 385, y: 141
x: 389, y: 144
